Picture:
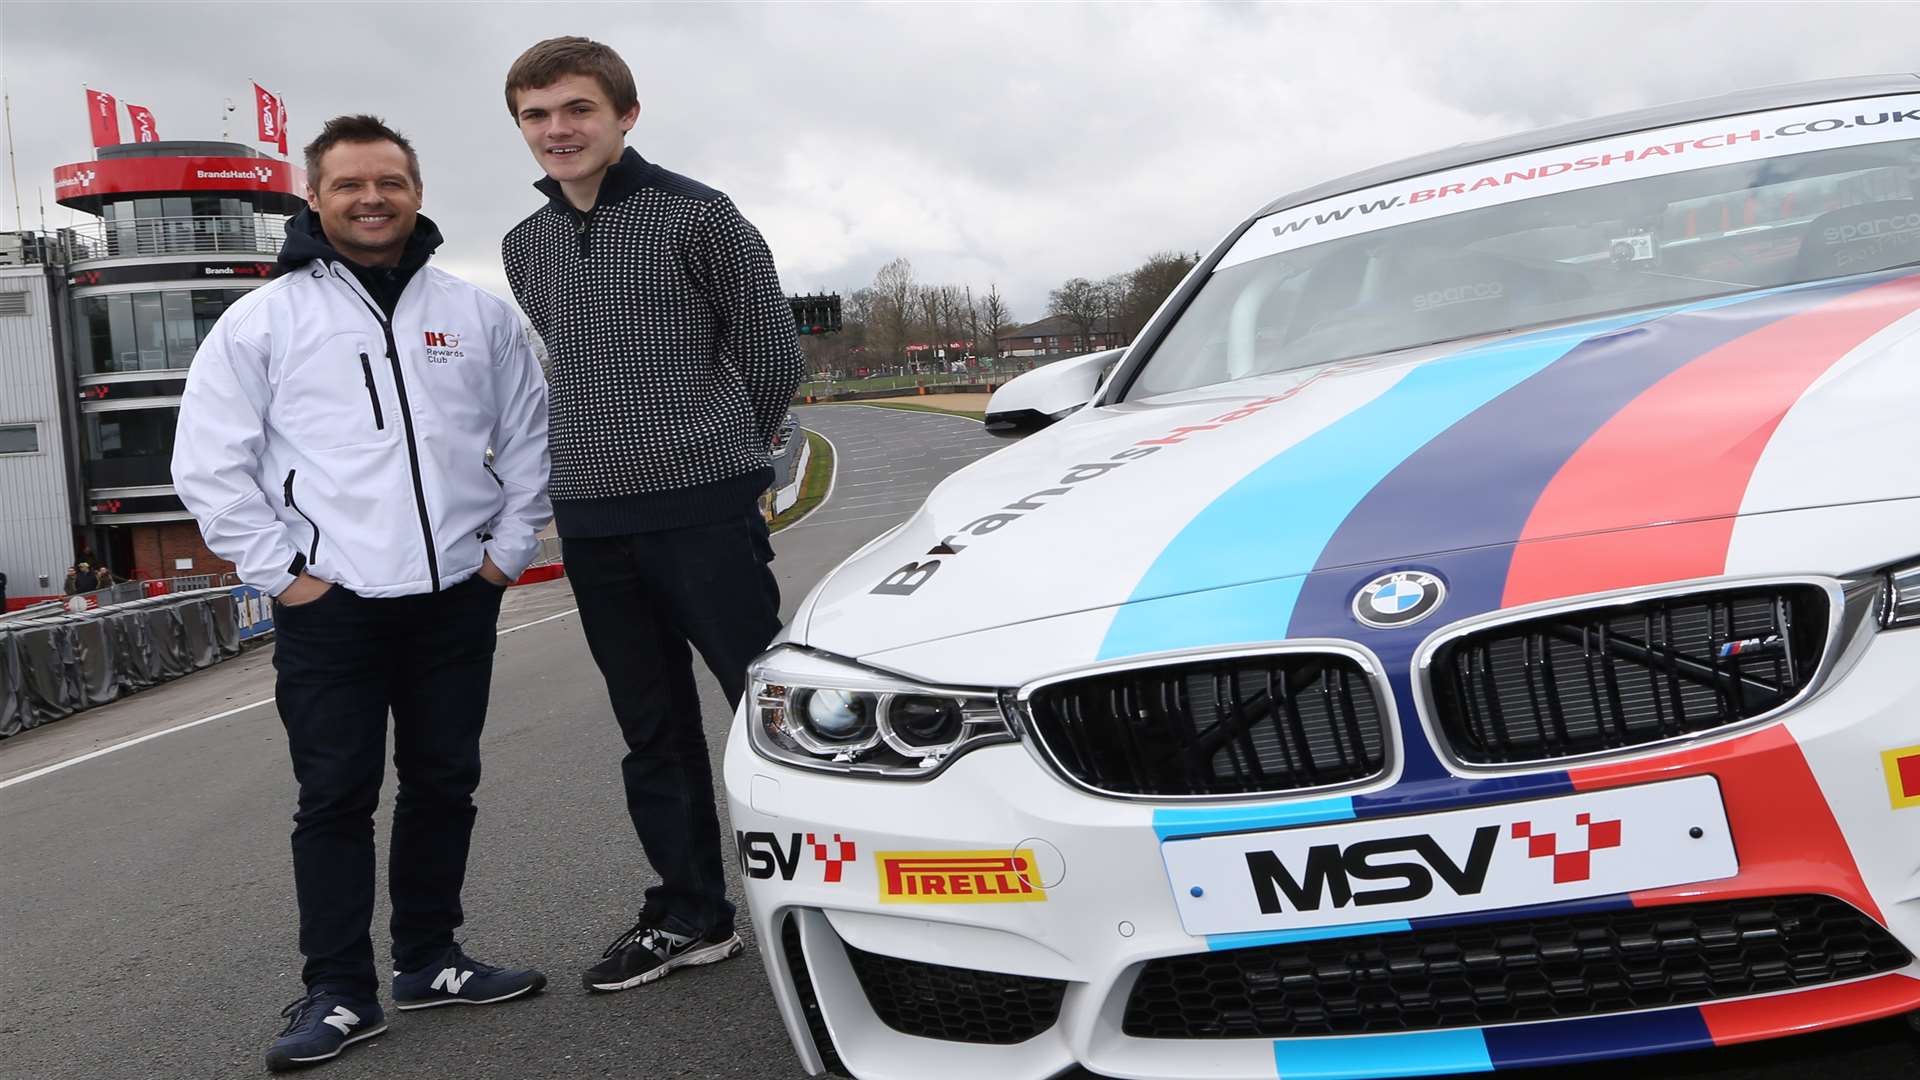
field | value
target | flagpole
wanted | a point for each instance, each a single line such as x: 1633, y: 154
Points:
x: 13, y: 167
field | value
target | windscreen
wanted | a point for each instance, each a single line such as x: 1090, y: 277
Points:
x: 1656, y: 218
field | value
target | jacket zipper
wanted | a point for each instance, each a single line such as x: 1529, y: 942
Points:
x: 487, y: 463
x: 406, y: 420
x: 373, y: 393
x: 581, y: 221
x: 313, y: 551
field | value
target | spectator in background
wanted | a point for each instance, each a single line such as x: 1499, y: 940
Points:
x: 85, y: 580
x: 3, y: 592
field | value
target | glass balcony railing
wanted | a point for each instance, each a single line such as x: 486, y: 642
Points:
x: 242, y: 234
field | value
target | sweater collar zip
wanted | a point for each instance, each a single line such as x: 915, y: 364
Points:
x: 624, y: 177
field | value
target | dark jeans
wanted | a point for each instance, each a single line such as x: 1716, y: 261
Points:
x: 644, y: 599
x: 344, y: 660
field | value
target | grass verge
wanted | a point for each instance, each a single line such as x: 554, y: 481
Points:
x: 813, y: 486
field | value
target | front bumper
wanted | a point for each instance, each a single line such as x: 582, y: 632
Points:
x: 1806, y: 797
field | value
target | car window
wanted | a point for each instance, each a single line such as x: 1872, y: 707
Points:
x: 1281, y: 298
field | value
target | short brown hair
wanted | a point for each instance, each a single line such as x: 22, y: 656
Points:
x: 358, y: 128
x: 553, y: 59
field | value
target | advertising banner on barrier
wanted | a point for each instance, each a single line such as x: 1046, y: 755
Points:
x: 255, y: 611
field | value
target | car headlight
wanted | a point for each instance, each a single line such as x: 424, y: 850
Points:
x: 1900, y: 597
x: 817, y: 711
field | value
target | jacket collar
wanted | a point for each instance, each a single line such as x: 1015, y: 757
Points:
x: 624, y: 177
x: 306, y: 241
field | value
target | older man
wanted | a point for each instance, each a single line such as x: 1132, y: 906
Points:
x: 366, y: 439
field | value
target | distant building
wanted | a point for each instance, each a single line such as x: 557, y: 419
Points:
x: 1056, y: 336
x: 113, y: 312
x: 39, y: 468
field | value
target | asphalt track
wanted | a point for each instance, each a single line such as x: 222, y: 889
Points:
x: 146, y: 905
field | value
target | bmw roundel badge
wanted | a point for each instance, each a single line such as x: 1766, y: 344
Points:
x: 1398, y: 599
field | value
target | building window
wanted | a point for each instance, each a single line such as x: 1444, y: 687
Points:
x: 19, y: 439
x: 130, y: 447
x: 148, y: 331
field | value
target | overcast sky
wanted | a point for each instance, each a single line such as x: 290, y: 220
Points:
x: 1018, y: 144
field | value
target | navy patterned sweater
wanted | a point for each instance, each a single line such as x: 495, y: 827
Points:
x: 671, y: 350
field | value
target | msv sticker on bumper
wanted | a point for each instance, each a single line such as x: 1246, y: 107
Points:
x: 1568, y: 848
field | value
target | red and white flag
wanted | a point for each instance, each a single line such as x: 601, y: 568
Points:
x: 267, y: 110
x: 282, y: 103
x: 103, y: 111
x: 143, y: 129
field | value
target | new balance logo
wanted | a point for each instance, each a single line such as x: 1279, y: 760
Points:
x: 342, y: 1019
x: 451, y: 980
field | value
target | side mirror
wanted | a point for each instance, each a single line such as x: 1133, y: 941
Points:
x: 1044, y: 395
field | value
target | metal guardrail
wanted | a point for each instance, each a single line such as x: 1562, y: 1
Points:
x: 787, y: 444
x: 27, y: 247
x: 235, y: 234
x: 549, y: 552
x: 121, y: 592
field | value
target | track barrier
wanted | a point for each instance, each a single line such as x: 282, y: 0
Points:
x: 56, y: 664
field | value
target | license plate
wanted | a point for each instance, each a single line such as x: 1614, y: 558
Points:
x: 1567, y: 848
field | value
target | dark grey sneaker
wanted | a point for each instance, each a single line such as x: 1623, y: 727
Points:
x: 646, y: 953
x: 321, y: 1025
x: 459, y: 979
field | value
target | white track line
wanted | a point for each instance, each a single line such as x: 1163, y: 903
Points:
x: 537, y: 622
x: 136, y: 741
x: 105, y: 750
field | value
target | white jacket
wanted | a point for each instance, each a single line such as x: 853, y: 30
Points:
x: 303, y: 443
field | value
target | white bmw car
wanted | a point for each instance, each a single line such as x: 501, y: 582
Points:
x: 1471, y: 628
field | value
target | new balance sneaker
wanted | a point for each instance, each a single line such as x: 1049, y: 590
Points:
x: 646, y: 952
x: 459, y: 979
x: 320, y: 1025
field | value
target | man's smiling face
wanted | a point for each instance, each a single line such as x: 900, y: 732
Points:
x: 572, y: 128
x: 367, y: 200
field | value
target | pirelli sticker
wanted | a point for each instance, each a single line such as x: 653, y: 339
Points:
x: 958, y: 877
x: 1903, y: 776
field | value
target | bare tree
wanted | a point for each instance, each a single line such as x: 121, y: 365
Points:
x: 1081, y: 302
x: 971, y: 313
x: 995, y: 315
x: 930, y: 305
x: 953, y: 316
x: 893, y: 302
x: 857, y: 308
x: 1149, y: 284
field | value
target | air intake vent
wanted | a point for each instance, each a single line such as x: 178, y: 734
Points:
x: 954, y: 1004
x: 15, y: 303
x: 1216, y: 727
x: 1589, y: 681
x: 1508, y: 972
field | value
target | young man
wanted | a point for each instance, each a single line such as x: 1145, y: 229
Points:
x: 673, y: 358
x: 366, y: 439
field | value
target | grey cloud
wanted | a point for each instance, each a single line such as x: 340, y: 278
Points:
x: 1017, y: 143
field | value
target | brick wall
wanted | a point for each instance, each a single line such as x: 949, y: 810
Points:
x: 155, y: 547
